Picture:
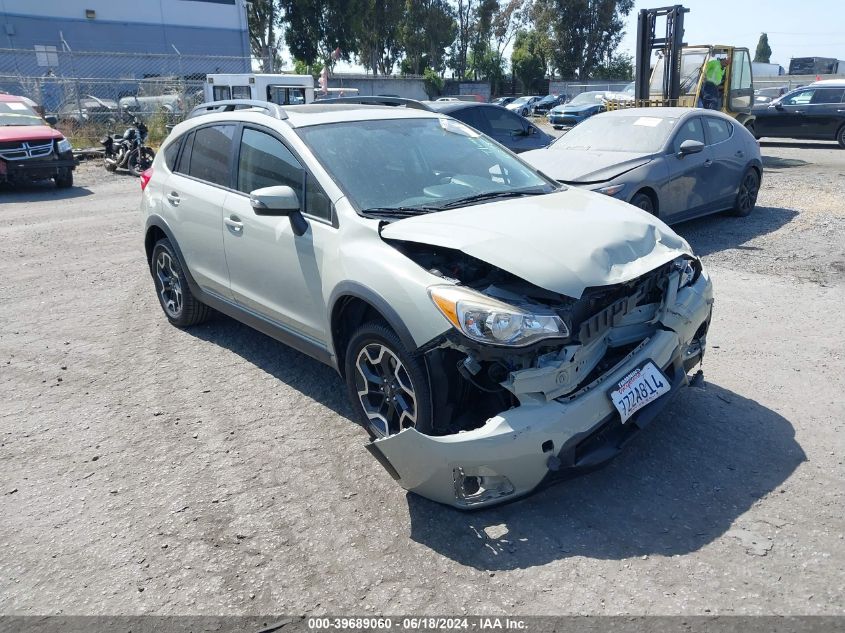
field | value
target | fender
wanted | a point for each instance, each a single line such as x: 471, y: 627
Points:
x: 159, y: 222
x: 359, y: 291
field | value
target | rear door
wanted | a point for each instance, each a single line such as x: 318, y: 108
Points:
x: 728, y: 157
x: 193, y: 197
x: 825, y: 113
x: 785, y: 118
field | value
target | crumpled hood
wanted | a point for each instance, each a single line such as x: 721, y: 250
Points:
x: 563, y: 242
x: 584, y: 166
x: 28, y: 133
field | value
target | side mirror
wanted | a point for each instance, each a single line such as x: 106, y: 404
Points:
x: 532, y: 130
x: 778, y: 105
x: 279, y: 201
x: 51, y: 119
x: 690, y: 146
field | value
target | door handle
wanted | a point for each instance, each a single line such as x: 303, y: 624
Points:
x: 173, y: 198
x: 840, y: 110
x: 740, y: 153
x: 234, y: 223
x: 708, y: 162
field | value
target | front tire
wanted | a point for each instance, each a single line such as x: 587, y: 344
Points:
x: 180, y: 306
x: 746, y: 197
x: 840, y: 137
x: 644, y: 202
x: 64, y: 180
x: 387, y: 385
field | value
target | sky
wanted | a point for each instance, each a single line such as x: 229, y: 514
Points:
x: 796, y: 28
x: 817, y: 30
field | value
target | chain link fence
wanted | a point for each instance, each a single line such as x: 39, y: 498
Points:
x: 92, y: 94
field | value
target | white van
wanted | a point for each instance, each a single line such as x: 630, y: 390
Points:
x: 277, y: 88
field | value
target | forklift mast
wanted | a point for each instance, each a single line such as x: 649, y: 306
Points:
x: 670, y: 45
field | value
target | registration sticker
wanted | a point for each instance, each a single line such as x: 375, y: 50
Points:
x: 639, y: 388
x: 648, y: 121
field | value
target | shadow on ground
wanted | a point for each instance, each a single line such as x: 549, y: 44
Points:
x: 679, y: 486
x: 721, y: 232
x: 800, y: 144
x: 39, y: 192
x: 308, y: 376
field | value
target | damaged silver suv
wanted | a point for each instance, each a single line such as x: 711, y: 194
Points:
x: 496, y: 331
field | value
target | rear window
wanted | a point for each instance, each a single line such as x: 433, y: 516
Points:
x: 717, y: 130
x: 210, y: 154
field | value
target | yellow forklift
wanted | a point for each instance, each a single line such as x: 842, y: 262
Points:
x: 679, y: 78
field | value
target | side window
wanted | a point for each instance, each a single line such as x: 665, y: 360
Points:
x: 241, y: 92
x: 185, y: 159
x: 802, y: 97
x: 690, y: 130
x: 171, y: 153
x: 265, y: 162
x: 717, y: 130
x: 296, y: 96
x: 316, y: 201
x: 828, y: 95
x: 211, y: 153
x: 504, y: 122
x: 221, y: 93
x: 474, y: 117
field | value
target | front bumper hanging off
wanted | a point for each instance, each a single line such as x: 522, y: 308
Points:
x: 536, y: 443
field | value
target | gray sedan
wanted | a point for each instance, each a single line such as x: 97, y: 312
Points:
x: 677, y: 163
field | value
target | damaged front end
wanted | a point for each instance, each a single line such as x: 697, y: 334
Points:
x: 533, y: 386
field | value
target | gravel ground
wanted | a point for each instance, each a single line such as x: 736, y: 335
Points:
x: 148, y: 470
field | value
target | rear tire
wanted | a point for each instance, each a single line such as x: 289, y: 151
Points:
x: 140, y: 161
x: 180, y: 306
x: 64, y: 180
x: 840, y: 137
x: 746, y: 197
x: 387, y: 385
x: 644, y: 202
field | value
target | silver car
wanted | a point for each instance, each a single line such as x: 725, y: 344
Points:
x: 677, y: 163
x: 495, y: 330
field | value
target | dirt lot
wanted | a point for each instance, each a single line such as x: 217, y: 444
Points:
x: 213, y: 471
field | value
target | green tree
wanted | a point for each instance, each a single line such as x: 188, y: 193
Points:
x: 764, y: 52
x: 433, y: 83
x: 619, y: 66
x: 582, y: 33
x: 427, y: 29
x: 378, y: 34
x: 527, y: 63
x: 264, y: 19
x: 315, y: 28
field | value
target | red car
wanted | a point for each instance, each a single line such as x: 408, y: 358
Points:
x: 29, y: 148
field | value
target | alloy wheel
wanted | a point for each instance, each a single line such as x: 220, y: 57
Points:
x: 385, y: 390
x: 748, y: 191
x: 169, y: 286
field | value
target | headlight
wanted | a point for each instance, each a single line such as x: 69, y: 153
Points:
x: 612, y: 190
x: 487, y: 320
x: 64, y: 146
x: 689, y: 270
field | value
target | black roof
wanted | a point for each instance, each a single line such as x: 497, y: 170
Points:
x: 451, y: 106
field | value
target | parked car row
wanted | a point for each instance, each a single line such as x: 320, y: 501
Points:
x: 813, y: 112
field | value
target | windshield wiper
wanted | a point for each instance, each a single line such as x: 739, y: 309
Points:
x: 394, y: 212
x: 490, y: 195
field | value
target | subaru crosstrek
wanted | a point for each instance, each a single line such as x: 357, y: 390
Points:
x: 496, y: 330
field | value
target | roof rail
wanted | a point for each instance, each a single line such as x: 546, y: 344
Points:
x: 376, y: 100
x: 229, y: 105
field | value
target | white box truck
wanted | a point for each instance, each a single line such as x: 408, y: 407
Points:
x: 276, y: 88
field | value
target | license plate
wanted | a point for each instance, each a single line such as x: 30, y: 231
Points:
x: 639, y: 388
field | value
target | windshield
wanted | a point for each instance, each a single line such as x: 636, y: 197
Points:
x: 418, y: 165
x: 18, y: 113
x: 587, y: 98
x: 692, y: 61
x: 520, y: 100
x: 640, y: 134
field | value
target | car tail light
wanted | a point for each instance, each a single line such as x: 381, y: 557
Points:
x: 146, y: 176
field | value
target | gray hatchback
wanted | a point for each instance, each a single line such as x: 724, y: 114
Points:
x: 677, y: 163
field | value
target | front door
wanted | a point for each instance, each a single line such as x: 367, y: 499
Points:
x: 690, y: 177
x: 273, y: 272
x: 785, y: 118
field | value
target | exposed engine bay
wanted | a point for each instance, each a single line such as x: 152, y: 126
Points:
x: 473, y: 381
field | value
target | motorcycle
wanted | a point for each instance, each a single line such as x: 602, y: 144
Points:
x: 127, y: 151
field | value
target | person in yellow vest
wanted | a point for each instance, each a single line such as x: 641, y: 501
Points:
x: 714, y: 73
